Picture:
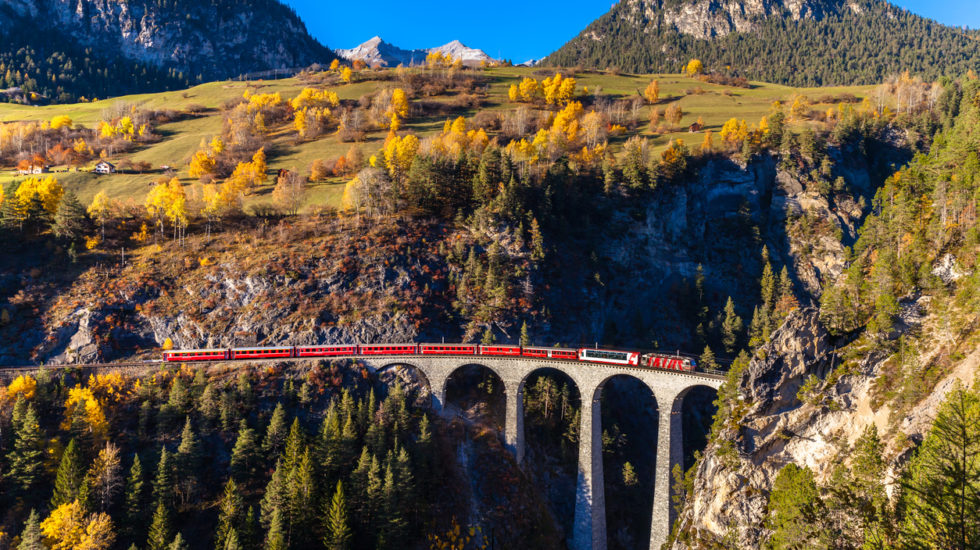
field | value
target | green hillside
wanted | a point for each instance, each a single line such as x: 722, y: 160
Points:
x: 199, y: 115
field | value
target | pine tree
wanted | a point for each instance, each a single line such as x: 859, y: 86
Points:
x: 26, y: 459
x: 942, y: 492
x: 756, y: 327
x: 275, y: 539
x: 525, y: 337
x: 69, y: 478
x: 276, y: 495
x: 794, y: 508
x: 161, y: 532
x: 337, y: 528
x: 178, y: 543
x: 231, y: 542
x: 230, y: 515
x: 293, y: 447
x: 135, y: 497
x: 707, y: 359
x: 731, y: 327
x: 328, y: 443
x: 31, y: 537
x: 188, y: 461
x: 275, y: 434
x: 165, y: 481
x: 767, y: 284
x: 245, y: 453
x: 302, y: 500
x: 69, y: 220
x: 630, y: 478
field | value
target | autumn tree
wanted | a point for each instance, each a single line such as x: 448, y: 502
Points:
x: 673, y: 114
x: 100, y: 210
x: 289, y: 191
x: 652, y: 92
x: 694, y: 67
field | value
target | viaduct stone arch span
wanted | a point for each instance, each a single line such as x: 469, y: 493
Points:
x: 668, y: 388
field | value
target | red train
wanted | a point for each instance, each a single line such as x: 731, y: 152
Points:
x: 587, y: 355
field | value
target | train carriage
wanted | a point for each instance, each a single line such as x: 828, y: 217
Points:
x: 509, y: 351
x: 667, y: 362
x: 196, y: 355
x: 563, y: 353
x: 447, y: 349
x: 535, y: 352
x: 262, y: 353
x: 610, y: 357
x: 389, y: 349
x: 325, y: 351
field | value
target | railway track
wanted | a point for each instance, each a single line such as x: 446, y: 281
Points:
x: 14, y: 370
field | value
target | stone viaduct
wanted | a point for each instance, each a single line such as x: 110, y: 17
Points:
x: 668, y: 388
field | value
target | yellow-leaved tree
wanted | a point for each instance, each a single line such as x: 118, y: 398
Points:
x: 23, y: 386
x: 694, y: 67
x: 652, y: 92
x: 100, y: 210
x: 69, y: 527
x: 335, y: 64
x: 82, y: 406
x: 734, y: 132
x: 46, y: 189
x: 399, y: 154
x: 61, y: 121
x: 347, y: 75
x: 202, y: 164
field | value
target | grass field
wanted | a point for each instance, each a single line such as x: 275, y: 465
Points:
x: 715, y: 104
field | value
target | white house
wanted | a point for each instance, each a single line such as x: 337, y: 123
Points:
x: 104, y: 167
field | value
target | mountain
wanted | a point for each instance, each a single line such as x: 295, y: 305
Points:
x: 796, y: 42
x: 378, y: 52
x: 66, y: 48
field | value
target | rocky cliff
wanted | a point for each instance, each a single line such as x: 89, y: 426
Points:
x: 204, y: 40
x: 647, y: 259
x: 775, y: 423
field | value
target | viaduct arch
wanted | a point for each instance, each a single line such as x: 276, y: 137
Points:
x: 668, y: 387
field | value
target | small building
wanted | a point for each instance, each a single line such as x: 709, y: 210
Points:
x: 694, y: 128
x: 33, y: 169
x: 104, y: 167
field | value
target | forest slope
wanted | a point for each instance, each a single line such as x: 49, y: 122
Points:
x: 808, y: 43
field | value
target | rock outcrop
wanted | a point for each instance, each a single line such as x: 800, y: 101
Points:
x: 209, y: 40
x: 775, y: 424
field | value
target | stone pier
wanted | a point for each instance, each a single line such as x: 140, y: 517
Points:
x: 668, y: 388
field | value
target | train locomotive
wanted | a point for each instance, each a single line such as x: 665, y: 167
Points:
x: 585, y: 355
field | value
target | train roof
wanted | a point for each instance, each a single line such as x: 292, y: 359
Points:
x: 260, y: 348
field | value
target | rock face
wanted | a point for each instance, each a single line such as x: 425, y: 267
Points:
x: 712, y: 18
x: 377, y: 52
x: 720, y: 219
x: 775, y: 427
x: 210, y: 40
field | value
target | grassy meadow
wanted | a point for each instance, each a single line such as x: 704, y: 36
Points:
x: 713, y: 103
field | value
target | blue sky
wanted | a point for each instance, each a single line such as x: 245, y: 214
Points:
x: 513, y: 29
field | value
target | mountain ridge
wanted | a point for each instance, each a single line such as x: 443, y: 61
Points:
x: 376, y: 51
x: 174, y: 42
x: 793, y: 42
